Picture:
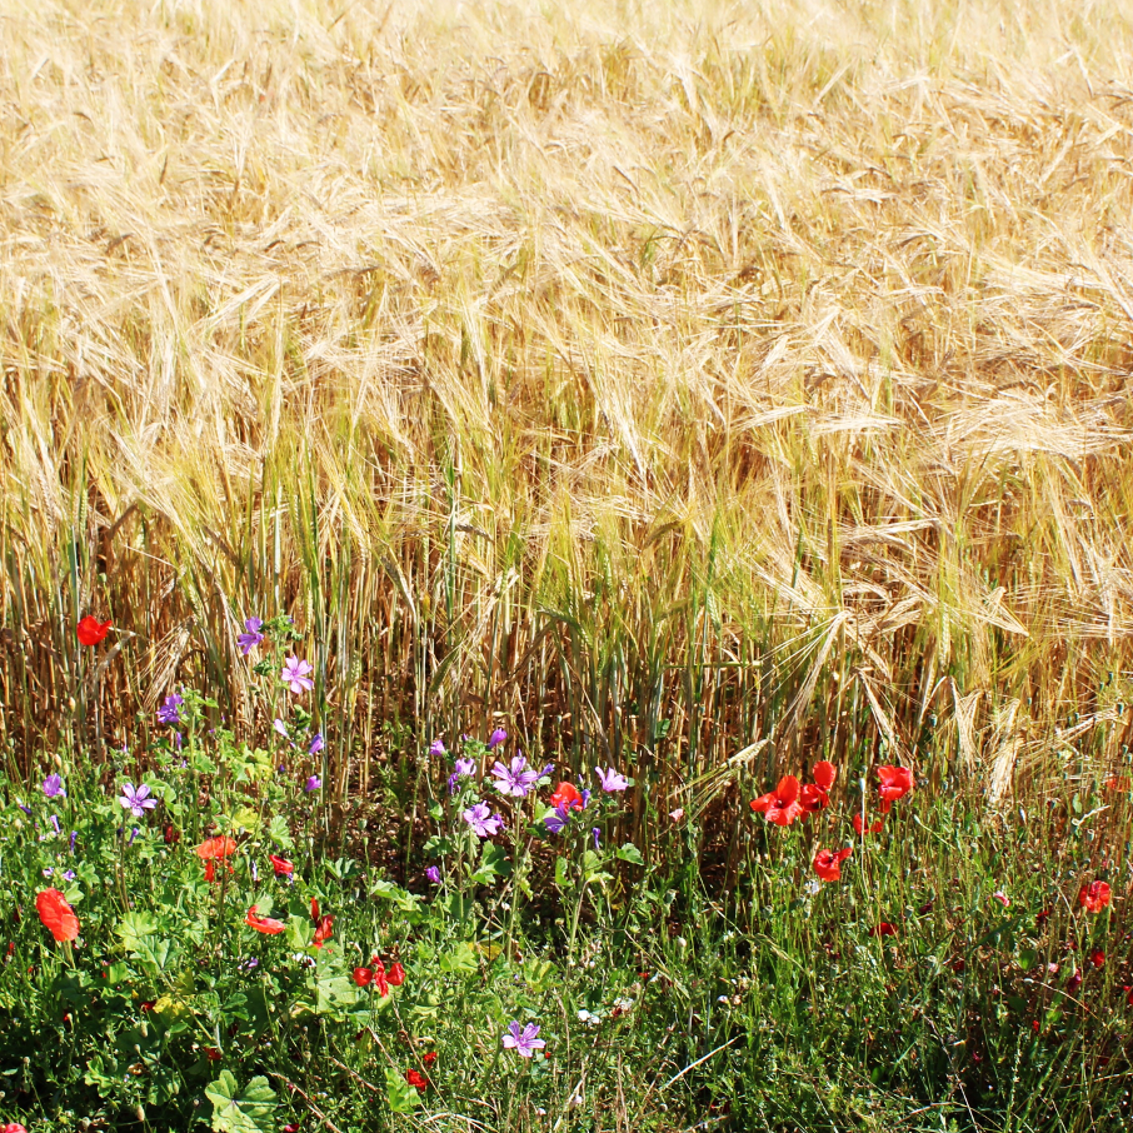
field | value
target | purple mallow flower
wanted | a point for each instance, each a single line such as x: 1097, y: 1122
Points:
x: 496, y: 738
x: 168, y: 712
x: 465, y: 769
x: 280, y: 727
x: 248, y: 641
x: 524, y: 1042
x: 437, y: 748
x: 68, y: 875
x: 297, y: 675
x: 515, y: 780
x: 53, y: 787
x: 74, y: 838
x: 313, y: 783
x: 137, y: 802
x: 316, y: 745
x: 611, y: 780
x: 557, y: 819
x: 597, y: 837
x: 55, y: 823
x: 433, y: 874
x: 483, y: 822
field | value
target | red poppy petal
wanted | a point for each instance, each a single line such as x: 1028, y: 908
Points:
x: 824, y: 773
x: 788, y: 789
x: 57, y: 915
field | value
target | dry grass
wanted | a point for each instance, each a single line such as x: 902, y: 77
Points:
x: 757, y: 369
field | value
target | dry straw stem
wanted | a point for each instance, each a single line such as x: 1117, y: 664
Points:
x: 655, y: 377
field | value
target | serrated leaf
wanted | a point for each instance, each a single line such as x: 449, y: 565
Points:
x: 234, y: 1111
x: 133, y: 928
x: 278, y: 832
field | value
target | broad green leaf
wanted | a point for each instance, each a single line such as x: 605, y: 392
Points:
x: 235, y: 1112
x: 133, y: 928
x: 246, y: 818
x: 630, y: 853
x: 278, y: 832
x: 561, y: 878
x: 402, y: 1097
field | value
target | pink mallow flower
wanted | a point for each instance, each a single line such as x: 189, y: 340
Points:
x: 524, y: 1042
x: 481, y: 819
x: 610, y: 780
x: 297, y: 675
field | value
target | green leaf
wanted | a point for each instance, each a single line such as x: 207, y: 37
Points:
x: 494, y: 858
x: 461, y: 960
x: 403, y: 1098
x: 236, y: 1112
x: 133, y: 928
x: 334, y: 990
x: 630, y: 853
x: 1027, y: 958
x: 246, y: 818
x: 407, y: 902
x: 278, y: 832
x: 561, y: 878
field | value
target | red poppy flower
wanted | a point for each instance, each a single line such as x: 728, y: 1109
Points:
x: 213, y: 1054
x: 375, y: 975
x: 171, y: 834
x: 824, y: 773
x: 873, y: 828
x: 1097, y: 957
x: 282, y: 867
x: 396, y: 974
x: 91, y: 631
x: 781, y: 805
x: 883, y: 929
x: 812, y: 798
x: 430, y: 1058
x: 1095, y: 896
x: 416, y: 1079
x: 567, y: 797
x: 57, y: 915
x: 828, y: 863
x: 896, y: 782
x: 218, y: 847
x: 322, y: 930
x: 314, y: 909
x: 263, y: 924
x: 1117, y: 783
x: 12, y: 1127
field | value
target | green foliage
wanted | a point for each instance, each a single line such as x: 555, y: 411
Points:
x: 240, y: 1111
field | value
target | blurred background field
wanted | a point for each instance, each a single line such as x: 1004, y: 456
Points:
x: 700, y: 387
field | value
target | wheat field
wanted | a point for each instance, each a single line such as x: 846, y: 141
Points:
x: 702, y: 385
